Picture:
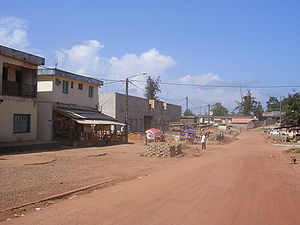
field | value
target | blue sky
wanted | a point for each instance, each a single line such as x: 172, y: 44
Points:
x: 202, y: 42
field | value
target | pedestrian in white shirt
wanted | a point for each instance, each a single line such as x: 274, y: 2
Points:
x: 203, y: 141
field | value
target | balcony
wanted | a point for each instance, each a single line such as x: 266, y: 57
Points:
x: 12, y: 88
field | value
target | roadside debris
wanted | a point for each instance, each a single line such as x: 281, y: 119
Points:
x: 163, y: 150
x: 293, y: 159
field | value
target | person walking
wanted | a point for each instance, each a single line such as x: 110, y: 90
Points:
x: 203, y: 141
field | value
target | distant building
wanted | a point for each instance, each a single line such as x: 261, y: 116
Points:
x: 235, y: 121
x: 68, y: 107
x: 243, y: 123
x: 142, y: 114
x: 271, y: 118
x: 18, y: 92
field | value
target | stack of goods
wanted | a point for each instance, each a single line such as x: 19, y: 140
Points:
x: 163, y: 150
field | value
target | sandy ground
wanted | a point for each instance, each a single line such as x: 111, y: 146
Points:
x: 29, y: 177
x: 244, y: 182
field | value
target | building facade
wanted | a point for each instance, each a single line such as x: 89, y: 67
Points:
x: 18, y: 95
x: 68, y: 107
x: 142, y: 113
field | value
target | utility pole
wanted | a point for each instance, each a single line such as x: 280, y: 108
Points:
x: 187, y: 102
x: 126, y: 104
x: 280, y: 109
x: 126, y: 112
x: 208, y: 113
x: 241, y: 92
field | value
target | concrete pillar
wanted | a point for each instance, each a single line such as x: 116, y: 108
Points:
x: 1, y: 71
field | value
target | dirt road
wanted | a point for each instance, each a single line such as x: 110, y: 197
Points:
x: 245, y: 182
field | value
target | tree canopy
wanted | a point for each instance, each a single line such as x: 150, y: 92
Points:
x: 249, y: 106
x: 273, y: 104
x: 219, y: 110
x: 152, y: 88
x: 292, y: 110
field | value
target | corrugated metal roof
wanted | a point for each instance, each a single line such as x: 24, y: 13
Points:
x: 102, y: 122
x: 241, y: 120
x: 82, y: 114
x: 62, y: 73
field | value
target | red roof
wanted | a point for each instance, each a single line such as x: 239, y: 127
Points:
x: 241, y: 120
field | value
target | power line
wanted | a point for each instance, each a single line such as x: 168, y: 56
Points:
x: 137, y: 86
x: 112, y: 95
x: 112, y: 82
x: 170, y: 99
x: 226, y: 86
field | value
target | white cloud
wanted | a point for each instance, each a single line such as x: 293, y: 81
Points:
x: 202, y: 79
x: 151, y: 61
x: 85, y: 58
x: 13, y: 32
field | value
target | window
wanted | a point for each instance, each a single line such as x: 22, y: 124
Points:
x: 5, y: 73
x: 80, y: 86
x: 91, y: 89
x: 65, y: 87
x: 72, y: 84
x: 21, y: 123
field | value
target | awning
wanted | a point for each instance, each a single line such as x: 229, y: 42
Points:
x: 190, y: 131
x: 84, y: 114
x: 101, y: 122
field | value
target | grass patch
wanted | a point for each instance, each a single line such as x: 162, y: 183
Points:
x: 293, y: 150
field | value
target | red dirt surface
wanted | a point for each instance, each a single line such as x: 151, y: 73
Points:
x: 244, y: 182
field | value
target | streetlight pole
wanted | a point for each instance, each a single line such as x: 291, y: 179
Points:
x: 126, y: 104
x: 126, y: 111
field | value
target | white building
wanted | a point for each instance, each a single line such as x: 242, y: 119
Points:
x: 68, y: 107
x: 18, y: 103
x: 142, y: 113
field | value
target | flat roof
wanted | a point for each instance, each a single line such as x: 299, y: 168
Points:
x: 131, y: 96
x: 62, y: 73
x: 23, y: 56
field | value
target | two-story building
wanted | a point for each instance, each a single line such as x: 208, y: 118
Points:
x: 18, y: 95
x: 68, y: 107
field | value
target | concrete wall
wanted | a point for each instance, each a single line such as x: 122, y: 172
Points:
x: 44, y: 121
x: 75, y: 96
x: 17, y: 105
x: 107, y: 104
x: 138, y: 108
x: 10, y: 105
x: 1, y: 75
x: 243, y: 126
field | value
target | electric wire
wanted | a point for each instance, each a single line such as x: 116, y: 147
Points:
x: 112, y: 95
x: 226, y: 86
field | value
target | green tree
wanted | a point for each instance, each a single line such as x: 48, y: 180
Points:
x: 292, y: 110
x: 249, y: 106
x: 152, y: 88
x: 219, y: 110
x: 273, y: 104
x: 188, y: 112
